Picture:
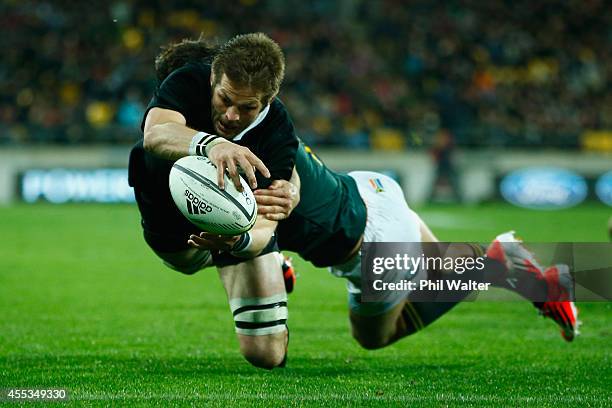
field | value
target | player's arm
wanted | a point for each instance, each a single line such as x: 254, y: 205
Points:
x: 278, y: 201
x: 167, y: 135
x: 247, y: 245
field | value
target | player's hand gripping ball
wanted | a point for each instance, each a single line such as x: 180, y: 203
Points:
x: 194, y: 189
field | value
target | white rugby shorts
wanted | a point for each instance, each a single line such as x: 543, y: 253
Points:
x: 389, y: 219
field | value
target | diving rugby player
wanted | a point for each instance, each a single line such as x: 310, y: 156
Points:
x: 221, y: 102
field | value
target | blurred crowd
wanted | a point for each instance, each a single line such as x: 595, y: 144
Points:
x: 386, y: 74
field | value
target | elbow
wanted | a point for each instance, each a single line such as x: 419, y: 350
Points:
x: 151, y: 139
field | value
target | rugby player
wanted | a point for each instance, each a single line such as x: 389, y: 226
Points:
x: 221, y: 102
x: 337, y: 212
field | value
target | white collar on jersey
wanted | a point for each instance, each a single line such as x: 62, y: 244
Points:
x: 257, y: 121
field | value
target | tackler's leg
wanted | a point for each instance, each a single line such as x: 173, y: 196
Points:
x: 378, y: 324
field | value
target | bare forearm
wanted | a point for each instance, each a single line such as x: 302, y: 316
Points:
x: 246, y: 246
x: 260, y: 236
x: 169, y: 140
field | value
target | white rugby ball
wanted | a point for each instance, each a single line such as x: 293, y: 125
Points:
x: 193, y: 185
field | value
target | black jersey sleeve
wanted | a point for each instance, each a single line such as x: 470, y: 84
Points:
x: 278, y: 145
x: 186, y: 90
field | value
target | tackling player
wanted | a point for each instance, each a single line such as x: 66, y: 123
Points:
x: 336, y: 213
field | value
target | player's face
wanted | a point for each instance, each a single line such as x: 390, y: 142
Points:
x: 233, y: 108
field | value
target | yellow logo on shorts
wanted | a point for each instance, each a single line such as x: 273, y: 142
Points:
x: 377, y: 185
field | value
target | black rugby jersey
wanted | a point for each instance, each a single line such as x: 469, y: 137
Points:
x: 330, y: 218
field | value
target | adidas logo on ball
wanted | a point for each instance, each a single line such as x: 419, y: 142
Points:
x: 195, y: 205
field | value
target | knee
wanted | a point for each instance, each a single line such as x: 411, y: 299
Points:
x: 263, y: 351
x: 373, y: 339
x: 370, y: 342
x: 262, y: 329
x: 266, y: 360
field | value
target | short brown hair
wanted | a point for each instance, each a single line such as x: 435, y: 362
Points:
x: 252, y: 60
x: 174, y: 56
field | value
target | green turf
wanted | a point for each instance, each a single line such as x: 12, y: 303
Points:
x: 85, y: 306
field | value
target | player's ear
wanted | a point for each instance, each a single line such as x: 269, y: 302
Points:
x: 212, y: 78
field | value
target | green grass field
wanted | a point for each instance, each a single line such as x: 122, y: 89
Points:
x: 84, y: 305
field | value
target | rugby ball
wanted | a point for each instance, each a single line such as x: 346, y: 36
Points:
x: 194, y: 189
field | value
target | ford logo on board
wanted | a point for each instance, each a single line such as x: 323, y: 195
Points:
x: 543, y: 188
x: 603, y: 188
